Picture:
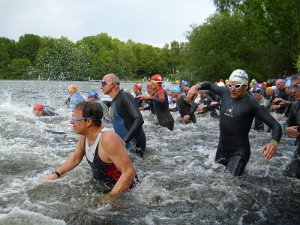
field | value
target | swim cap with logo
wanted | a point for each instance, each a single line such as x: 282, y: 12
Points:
x: 239, y: 76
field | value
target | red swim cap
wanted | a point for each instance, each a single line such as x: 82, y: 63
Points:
x: 138, y: 85
x: 38, y: 107
x: 157, y: 78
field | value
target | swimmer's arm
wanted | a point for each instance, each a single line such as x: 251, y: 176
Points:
x: 71, y: 162
x: 262, y: 113
x: 116, y: 152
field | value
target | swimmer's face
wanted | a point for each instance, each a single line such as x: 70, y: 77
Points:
x: 269, y: 91
x: 79, y: 125
x: 150, y: 89
x: 91, y: 99
x: 296, y: 89
x: 257, y: 96
x: 237, y: 90
x: 38, y: 112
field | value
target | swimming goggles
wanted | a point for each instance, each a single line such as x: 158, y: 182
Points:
x: 295, y: 87
x: 103, y: 83
x: 236, y: 86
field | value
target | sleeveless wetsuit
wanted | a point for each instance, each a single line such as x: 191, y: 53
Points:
x: 128, y: 121
x: 105, y: 173
x: 236, y: 117
x: 161, y: 108
x: 293, y: 167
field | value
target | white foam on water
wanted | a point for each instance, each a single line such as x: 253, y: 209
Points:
x: 21, y: 216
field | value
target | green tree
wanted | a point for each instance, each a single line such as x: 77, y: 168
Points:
x: 20, y: 69
x: 4, y: 65
x: 64, y: 61
x: 28, y: 46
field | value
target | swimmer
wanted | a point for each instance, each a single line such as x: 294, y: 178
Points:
x: 236, y: 116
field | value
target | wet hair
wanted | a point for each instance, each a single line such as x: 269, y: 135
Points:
x: 91, y: 109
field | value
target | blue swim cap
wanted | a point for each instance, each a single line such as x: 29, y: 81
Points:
x: 288, y: 82
x: 257, y: 90
x: 175, y: 88
x: 93, y: 94
x: 185, y: 83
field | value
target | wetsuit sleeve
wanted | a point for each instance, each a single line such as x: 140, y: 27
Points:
x: 265, y: 116
x: 291, y: 120
x: 213, y: 88
x: 135, y: 115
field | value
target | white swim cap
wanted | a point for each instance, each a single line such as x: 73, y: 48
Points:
x: 221, y: 84
x: 239, y: 76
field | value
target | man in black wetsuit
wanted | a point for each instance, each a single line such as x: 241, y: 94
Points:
x: 103, y: 149
x: 160, y: 102
x: 137, y: 90
x: 186, y: 109
x: 236, y: 116
x: 127, y: 118
x: 293, y: 128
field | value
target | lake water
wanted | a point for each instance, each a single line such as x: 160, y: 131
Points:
x: 180, y: 182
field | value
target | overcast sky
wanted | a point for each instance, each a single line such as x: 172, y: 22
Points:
x: 154, y: 22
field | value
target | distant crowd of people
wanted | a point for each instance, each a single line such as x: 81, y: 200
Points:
x: 238, y: 104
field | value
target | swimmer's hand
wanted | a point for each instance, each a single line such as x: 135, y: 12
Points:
x: 105, y: 199
x: 50, y: 177
x: 269, y: 149
x: 292, y: 131
x: 143, y: 96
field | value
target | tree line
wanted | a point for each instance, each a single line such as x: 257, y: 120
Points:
x: 259, y: 36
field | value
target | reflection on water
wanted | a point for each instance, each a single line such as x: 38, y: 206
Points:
x: 180, y: 183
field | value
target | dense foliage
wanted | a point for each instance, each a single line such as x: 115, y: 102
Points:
x: 260, y: 36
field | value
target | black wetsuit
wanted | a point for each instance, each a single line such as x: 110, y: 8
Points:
x: 293, y: 167
x: 236, y: 117
x: 49, y: 112
x: 161, y: 108
x: 212, y: 109
x: 186, y: 108
x: 128, y: 121
x: 280, y: 94
x: 140, y: 102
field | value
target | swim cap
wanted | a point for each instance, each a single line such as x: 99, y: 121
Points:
x: 239, y: 76
x: 175, y: 88
x: 38, y: 107
x: 221, y: 84
x: 185, y: 83
x: 257, y: 90
x: 269, y: 88
x: 157, y: 78
x: 93, y: 94
x: 138, y: 85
